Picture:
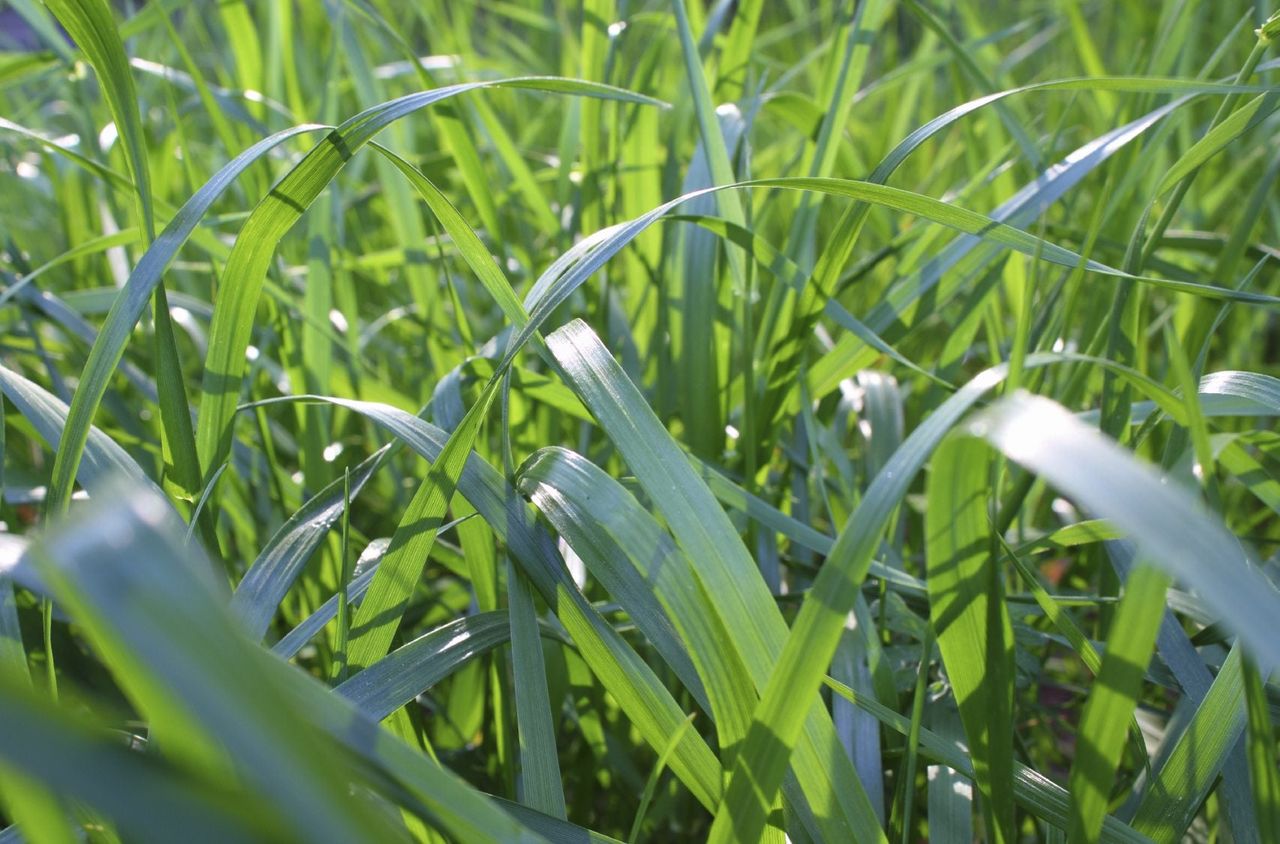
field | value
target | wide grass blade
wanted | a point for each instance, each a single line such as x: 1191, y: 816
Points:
x: 726, y: 570
x: 969, y: 614
x: 150, y: 614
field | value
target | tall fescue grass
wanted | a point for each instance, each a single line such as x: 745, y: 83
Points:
x: 639, y: 420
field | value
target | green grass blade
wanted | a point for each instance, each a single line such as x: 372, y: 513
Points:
x: 1033, y: 791
x: 90, y: 24
x: 1190, y: 770
x: 1264, y: 775
x: 281, y: 560
x: 1113, y: 698
x: 122, y: 581
x: 1165, y: 521
x: 628, y: 678
x: 149, y: 800
x: 638, y: 565
x: 416, y: 666
x: 103, y: 458
x: 539, y: 764
x: 726, y: 570
x: 276, y: 214
x: 378, y: 618
x: 145, y: 606
x: 624, y: 549
x: 968, y: 613
x: 126, y: 310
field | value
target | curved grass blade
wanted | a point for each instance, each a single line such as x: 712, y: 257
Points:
x: 267, y: 581
x: 1165, y: 521
x: 639, y: 566
x: 90, y: 24
x: 725, y: 569
x: 1191, y: 769
x: 817, y: 629
x: 569, y: 272
x: 147, y: 799
x: 539, y: 766
x: 276, y: 214
x: 620, y: 670
x: 1033, y: 791
x: 129, y: 304
x: 103, y: 458
x: 122, y: 576
x: 416, y: 666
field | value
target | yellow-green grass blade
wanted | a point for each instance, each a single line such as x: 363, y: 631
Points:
x: 969, y: 616
x: 1112, y: 699
x: 276, y: 214
x: 1191, y: 768
x: 126, y: 310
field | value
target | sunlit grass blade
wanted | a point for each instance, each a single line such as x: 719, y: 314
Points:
x: 276, y: 214
x: 1189, y: 771
x: 624, y: 549
x: 127, y: 308
x: 416, y: 666
x: 1112, y: 699
x: 970, y: 618
x: 535, y: 717
x: 647, y: 703
x: 1033, y: 791
x: 268, y: 579
x: 376, y: 621
x: 1170, y: 527
x: 726, y: 570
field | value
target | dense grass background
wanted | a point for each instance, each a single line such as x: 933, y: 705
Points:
x: 926, y: 487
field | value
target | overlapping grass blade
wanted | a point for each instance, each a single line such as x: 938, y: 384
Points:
x: 1113, y: 698
x: 126, y: 309
x: 149, y: 614
x: 276, y: 214
x: 726, y: 570
x: 632, y: 682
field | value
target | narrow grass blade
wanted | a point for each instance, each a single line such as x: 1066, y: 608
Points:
x: 416, y: 666
x: 103, y: 458
x: 378, y: 618
x: 1165, y: 521
x: 638, y: 564
x: 628, y: 678
x: 1264, y: 774
x: 535, y: 716
x: 280, y: 562
x: 126, y: 584
x: 276, y: 214
x: 90, y: 24
x: 1033, y: 791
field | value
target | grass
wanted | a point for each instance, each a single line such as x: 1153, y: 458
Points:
x: 639, y: 421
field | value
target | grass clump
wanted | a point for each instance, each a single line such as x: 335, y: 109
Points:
x: 647, y: 421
